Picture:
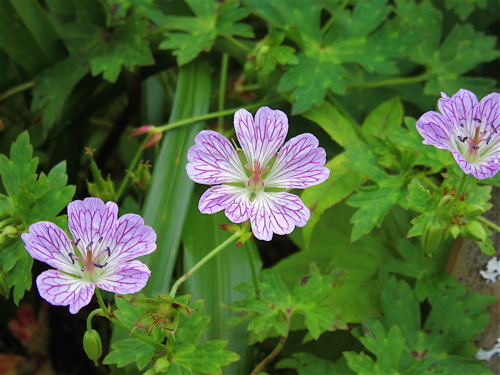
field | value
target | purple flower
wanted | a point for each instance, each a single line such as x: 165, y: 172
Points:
x: 101, y: 254
x: 468, y: 129
x: 253, y: 183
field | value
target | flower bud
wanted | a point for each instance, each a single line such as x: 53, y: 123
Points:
x: 162, y: 364
x: 473, y: 210
x: 92, y: 345
x: 454, y: 231
x: 474, y: 230
x: 431, y: 236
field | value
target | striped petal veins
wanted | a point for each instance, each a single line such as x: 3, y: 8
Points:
x: 252, y: 182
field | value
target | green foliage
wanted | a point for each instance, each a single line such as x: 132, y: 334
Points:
x: 31, y: 197
x: 199, y: 33
x: 272, y: 313
x: 308, y: 364
x: 402, y: 343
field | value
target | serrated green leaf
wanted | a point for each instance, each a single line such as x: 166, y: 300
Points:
x: 464, y: 8
x: 20, y: 170
x: 311, y: 77
x: 338, y: 127
x: 383, y: 119
x: 128, y: 351
x: 208, y: 357
x: 363, y: 160
x: 358, y: 293
x: 273, y: 311
x: 127, y: 48
x: 338, y: 186
x: 199, y: 33
x: 374, y: 205
x: 419, y: 197
x: 308, y: 364
x: 419, y: 224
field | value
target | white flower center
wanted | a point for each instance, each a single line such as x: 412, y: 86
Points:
x: 477, y: 141
x: 93, y: 258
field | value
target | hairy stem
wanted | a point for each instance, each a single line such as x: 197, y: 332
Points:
x: 489, y: 223
x: 270, y: 357
x: 146, y: 340
x: 198, y: 265
x: 389, y: 82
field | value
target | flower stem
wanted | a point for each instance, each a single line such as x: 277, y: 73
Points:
x: 14, y: 90
x: 91, y: 315
x: 207, y: 116
x: 207, y: 257
x: 146, y: 340
x: 389, y: 82
x: 222, y: 91
x: 251, y: 259
x: 133, y: 164
x: 460, y: 189
x: 274, y: 353
x: 489, y: 223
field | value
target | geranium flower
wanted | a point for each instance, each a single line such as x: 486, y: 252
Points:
x: 253, y: 183
x: 100, y: 255
x: 468, y: 129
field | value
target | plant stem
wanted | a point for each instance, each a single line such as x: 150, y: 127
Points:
x: 222, y: 91
x: 270, y: 357
x: 146, y: 340
x: 91, y: 315
x: 251, y: 259
x: 16, y: 89
x: 389, y: 82
x: 460, y: 189
x: 137, y: 156
x: 207, y: 257
x: 208, y: 116
x: 489, y: 223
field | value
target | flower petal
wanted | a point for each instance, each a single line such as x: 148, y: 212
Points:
x: 482, y: 170
x: 277, y: 213
x: 300, y: 164
x: 92, y: 219
x: 435, y: 130
x: 233, y: 199
x: 131, y: 239
x: 260, y: 139
x: 125, y: 278
x: 459, y: 108
x: 48, y: 243
x: 489, y: 111
x: 213, y: 160
x: 60, y: 289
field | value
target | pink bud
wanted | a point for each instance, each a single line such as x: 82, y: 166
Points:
x: 145, y: 129
x: 155, y: 138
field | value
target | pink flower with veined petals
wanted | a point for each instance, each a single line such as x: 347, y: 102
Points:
x: 100, y: 255
x: 253, y: 183
x: 468, y: 129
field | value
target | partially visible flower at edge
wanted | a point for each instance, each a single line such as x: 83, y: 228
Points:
x: 468, y: 129
x: 100, y: 255
x: 252, y: 183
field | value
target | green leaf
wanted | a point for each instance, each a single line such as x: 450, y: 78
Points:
x: 199, y: 33
x: 128, y: 351
x: 20, y: 170
x: 357, y: 295
x: 386, y: 117
x: 464, y: 8
x: 127, y: 48
x: 339, y: 185
x: 206, y: 358
x: 272, y: 313
x: 374, y: 205
x: 402, y: 344
x: 311, y: 77
x: 419, y: 197
x: 308, y: 364
x: 269, y: 53
x: 31, y: 198
x: 338, y: 127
